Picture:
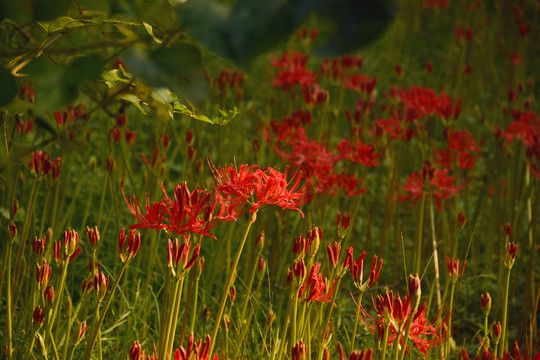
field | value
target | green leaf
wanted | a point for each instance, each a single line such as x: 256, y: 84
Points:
x: 8, y: 89
x: 222, y: 119
x: 178, y: 68
x: 253, y: 27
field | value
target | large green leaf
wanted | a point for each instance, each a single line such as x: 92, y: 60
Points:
x: 56, y: 84
x: 252, y: 27
x: 178, y: 68
x: 8, y: 88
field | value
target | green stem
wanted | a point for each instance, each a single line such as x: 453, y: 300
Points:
x: 294, y: 299
x: 353, y: 339
x: 505, y: 314
x: 172, y: 325
x: 419, y: 243
x: 9, y: 319
x: 385, y: 341
x: 95, y: 330
x: 447, y: 347
x: 408, y: 330
x: 194, y: 311
x: 58, y: 299
x: 230, y: 281
x: 165, y: 313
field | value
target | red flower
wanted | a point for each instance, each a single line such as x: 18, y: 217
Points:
x: 256, y: 187
x: 435, y: 183
x: 395, y: 313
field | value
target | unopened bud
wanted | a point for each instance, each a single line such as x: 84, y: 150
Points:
x: 485, y: 301
x: 14, y: 209
x: 461, y: 219
x: 12, y: 230
x: 261, y: 239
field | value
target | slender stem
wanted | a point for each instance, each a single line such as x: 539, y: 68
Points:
x: 9, y: 323
x: 194, y: 311
x: 447, y: 347
x: 58, y: 299
x: 419, y: 243
x: 408, y: 330
x: 435, y: 254
x: 164, y: 313
x: 172, y: 328
x: 505, y: 314
x: 294, y: 299
x: 353, y: 339
x: 385, y: 341
x: 230, y: 281
x: 95, y: 331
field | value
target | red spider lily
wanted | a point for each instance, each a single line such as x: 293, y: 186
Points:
x: 49, y: 294
x: 93, y: 236
x: 361, y: 83
x: 299, y: 351
x: 357, y: 268
x: 176, y: 253
x: 101, y: 283
x: 41, y: 165
x: 294, y: 71
x: 37, y: 316
x: 195, y: 350
x: 510, y: 255
x: 316, y: 287
x: 256, y: 187
x: 333, y: 253
x: 132, y: 247
x: 395, y: 312
x: 358, y: 153
x: 432, y: 182
x: 188, y: 212
x: 421, y: 102
x: 485, y: 302
x: 453, y: 268
x: 38, y: 245
x: 43, y: 274
x: 525, y: 128
x: 314, y: 94
x: 460, y: 150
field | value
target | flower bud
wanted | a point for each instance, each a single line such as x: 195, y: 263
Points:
x: 49, y: 295
x: 199, y: 268
x: 510, y: 255
x: 496, y: 330
x: 485, y: 302
x: 12, y: 230
x: 135, y: 351
x: 14, y: 209
x: 461, y: 219
x: 38, y: 317
x: 507, y: 230
x: 93, y: 236
x: 415, y: 290
x: 261, y: 239
x: 71, y: 240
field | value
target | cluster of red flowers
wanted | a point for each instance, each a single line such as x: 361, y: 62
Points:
x: 41, y: 165
x: 430, y: 182
x: 395, y: 312
x: 194, y: 351
x: 526, y: 128
x: 235, y: 191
